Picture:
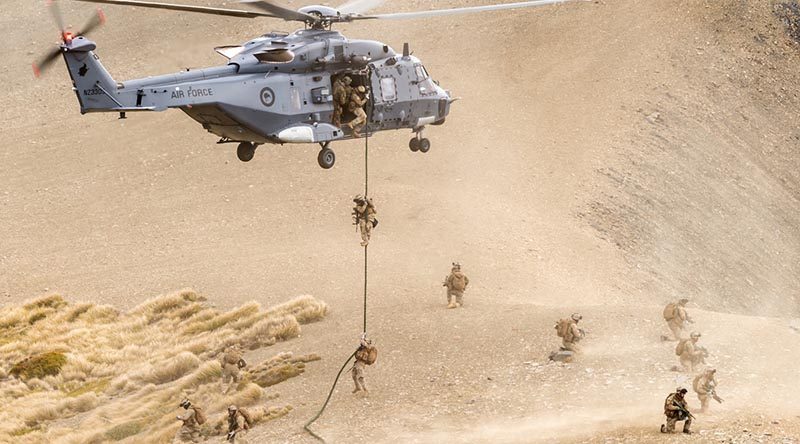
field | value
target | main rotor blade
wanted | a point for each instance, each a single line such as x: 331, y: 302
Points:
x: 359, y: 6
x: 279, y: 11
x: 188, y: 8
x: 454, y: 11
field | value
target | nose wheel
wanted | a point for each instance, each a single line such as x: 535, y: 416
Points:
x: 245, y: 151
x: 326, y: 157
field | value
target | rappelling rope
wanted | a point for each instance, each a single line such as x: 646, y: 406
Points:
x: 364, y: 331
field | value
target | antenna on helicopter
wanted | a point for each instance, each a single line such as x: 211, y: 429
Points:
x: 406, y: 52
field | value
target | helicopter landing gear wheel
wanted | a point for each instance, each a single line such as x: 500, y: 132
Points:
x: 413, y: 144
x: 424, y: 145
x: 326, y: 158
x: 245, y: 151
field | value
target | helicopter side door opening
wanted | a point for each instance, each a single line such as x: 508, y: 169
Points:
x: 345, y: 113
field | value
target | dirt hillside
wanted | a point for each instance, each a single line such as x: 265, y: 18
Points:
x: 606, y: 157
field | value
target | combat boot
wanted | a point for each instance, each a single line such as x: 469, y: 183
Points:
x: 451, y: 305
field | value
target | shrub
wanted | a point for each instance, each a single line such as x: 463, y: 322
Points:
x: 39, y: 366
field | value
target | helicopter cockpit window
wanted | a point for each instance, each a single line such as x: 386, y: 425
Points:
x: 275, y: 56
x: 388, y: 89
x: 424, y: 81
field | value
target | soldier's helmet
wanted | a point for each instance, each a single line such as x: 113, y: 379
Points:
x: 358, y: 199
x: 576, y: 316
x: 361, y: 89
x: 185, y: 403
x: 683, y: 301
x: 695, y: 334
x: 232, y: 408
x: 347, y: 80
x: 681, y: 390
x: 456, y: 266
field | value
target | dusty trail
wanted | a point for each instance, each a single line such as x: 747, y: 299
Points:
x: 606, y: 157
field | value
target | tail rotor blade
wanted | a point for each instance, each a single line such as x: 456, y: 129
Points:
x: 56, y: 11
x: 40, y: 66
x: 97, y: 20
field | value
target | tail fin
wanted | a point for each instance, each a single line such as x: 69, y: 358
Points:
x: 94, y: 86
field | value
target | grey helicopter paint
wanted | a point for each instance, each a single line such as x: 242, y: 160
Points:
x: 277, y: 88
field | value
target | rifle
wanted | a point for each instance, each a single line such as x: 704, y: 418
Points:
x: 714, y: 395
x: 230, y: 437
x: 683, y: 410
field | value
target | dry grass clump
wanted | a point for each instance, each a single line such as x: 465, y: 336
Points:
x: 38, y: 366
x: 119, y: 376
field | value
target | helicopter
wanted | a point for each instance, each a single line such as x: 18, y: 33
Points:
x: 276, y: 88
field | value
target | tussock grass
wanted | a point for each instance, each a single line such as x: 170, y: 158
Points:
x: 118, y: 376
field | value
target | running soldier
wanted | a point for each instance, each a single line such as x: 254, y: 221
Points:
x: 675, y: 409
x: 691, y: 355
x: 676, y: 316
x: 238, y: 424
x: 232, y: 363
x: 456, y: 283
x: 191, y: 422
x: 567, y: 329
x: 705, y: 385
x: 364, y: 215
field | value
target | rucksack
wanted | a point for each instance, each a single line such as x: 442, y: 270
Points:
x: 679, y: 348
x: 248, y: 422
x: 562, y: 327
x: 696, y: 383
x: 669, y: 311
x: 199, y: 416
x: 459, y: 282
x: 367, y: 354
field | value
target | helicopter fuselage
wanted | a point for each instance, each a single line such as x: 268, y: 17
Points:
x: 276, y: 88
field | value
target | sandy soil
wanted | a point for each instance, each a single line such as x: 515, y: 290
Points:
x: 606, y: 157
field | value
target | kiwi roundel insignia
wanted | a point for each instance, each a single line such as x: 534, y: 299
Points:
x: 267, y: 96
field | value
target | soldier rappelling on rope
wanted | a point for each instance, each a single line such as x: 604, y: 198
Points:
x: 364, y: 217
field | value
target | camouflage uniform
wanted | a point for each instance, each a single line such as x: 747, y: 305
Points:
x: 675, y: 409
x: 454, y: 283
x: 365, y: 214
x: 190, y: 429
x: 677, y: 324
x: 705, y: 386
x: 574, y: 334
x: 358, y: 370
x: 237, y: 426
x: 341, y: 95
x: 358, y: 98
x: 231, y: 364
x: 692, y: 355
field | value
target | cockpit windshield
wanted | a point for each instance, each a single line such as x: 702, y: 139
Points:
x: 424, y: 81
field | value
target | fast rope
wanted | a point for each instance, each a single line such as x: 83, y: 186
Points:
x: 364, y: 331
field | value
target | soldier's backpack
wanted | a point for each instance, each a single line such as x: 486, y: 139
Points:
x: 248, y: 421
x: 696, y: 383
x: 669, y: 311
x: 459, y: 282
x: 367, y: 354
x: 562, y: 327
x: 679, y: 348
x: 199, y: 416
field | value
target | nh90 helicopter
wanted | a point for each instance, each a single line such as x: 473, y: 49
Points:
x: 276, y: 88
